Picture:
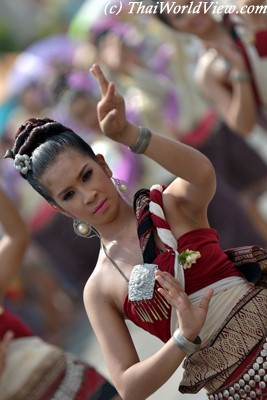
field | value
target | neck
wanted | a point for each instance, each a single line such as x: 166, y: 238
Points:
x: 120, y: 227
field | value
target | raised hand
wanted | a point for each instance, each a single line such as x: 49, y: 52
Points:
x: 191, y: 318
x: 111, y: 107
x: 231, y: 53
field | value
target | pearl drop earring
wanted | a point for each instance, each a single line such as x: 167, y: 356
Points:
x: 122, y: 188
x: 121, y: 185
x: 81, y: 228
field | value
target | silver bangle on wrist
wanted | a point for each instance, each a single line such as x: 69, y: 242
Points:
x: 142, y: 141
x: 184, y: 344
x: 239, y: 76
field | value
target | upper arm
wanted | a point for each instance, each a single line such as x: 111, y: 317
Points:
x: 187, y: 201
x: 111, y: 332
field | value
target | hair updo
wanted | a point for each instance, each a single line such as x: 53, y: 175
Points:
x: 43, y: 140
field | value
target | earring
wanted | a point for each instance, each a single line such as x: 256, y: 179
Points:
x: 122, y: 188
x: 81, y: 228
x: 120, y: 185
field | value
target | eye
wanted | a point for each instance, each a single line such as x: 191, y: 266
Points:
x: 86, y: 176
x: 68, y: 195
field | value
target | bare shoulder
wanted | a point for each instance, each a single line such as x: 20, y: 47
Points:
x: 96, y: 299
x: 95, y: 285
x: 101, y: 307
x: 91, y: 287
x: 103, y: 292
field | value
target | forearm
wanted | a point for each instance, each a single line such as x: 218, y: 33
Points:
x: 179, y: 159
x: 242, y: 109
x: 236, y: 106
x: 145, y: 377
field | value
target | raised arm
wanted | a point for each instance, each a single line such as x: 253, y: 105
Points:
x: 13, y: 243
x: 232, y: 96
x: 196, y: 183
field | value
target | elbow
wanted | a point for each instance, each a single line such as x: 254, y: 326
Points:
x: 127, y: 395
x: 208, y: 174
x: 245, y: 130
x: 207, y: 178
x: 242, y: 126
x: 242, y: 129
x: 128, y: 392
x: 125, y: 392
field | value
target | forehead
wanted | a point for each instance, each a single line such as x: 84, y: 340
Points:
x: 66, y: 167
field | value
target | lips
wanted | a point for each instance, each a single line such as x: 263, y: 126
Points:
x: 100, y: 207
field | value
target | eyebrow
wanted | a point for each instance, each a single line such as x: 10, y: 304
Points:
x: 80, y: 174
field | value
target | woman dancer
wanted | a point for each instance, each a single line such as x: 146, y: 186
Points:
x: 149, y: 279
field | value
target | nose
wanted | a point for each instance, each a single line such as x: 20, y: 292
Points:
x: 88, y: 196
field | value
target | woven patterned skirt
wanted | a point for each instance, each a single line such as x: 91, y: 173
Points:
x: 247, y: 382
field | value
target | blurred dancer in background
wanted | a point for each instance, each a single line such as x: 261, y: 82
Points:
x: 223, y: 75
x: 48, y: 371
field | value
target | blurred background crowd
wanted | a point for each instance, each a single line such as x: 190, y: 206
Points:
x: 46, y: 50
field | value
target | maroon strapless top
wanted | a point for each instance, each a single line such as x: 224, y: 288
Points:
x: 154, y: 315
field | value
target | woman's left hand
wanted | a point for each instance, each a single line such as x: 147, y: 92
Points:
x: 111, y: 107
x: 191, y: 318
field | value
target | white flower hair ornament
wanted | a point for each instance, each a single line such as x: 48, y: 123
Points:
x: 22, y: 163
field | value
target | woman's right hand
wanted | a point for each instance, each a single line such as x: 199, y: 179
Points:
x: 4, y: 343
x: 111, y: 107
x: 231, y: 53
x: 191, y: 318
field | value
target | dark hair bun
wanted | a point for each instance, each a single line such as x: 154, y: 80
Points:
x: 34, y: 132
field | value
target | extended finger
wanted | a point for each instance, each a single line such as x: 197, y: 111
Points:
x: 100, y: 77
x: 172, y: 281
x: 166, y: 294
x: 168, y: 288
x: 206, y: 298
x: 110, y: 91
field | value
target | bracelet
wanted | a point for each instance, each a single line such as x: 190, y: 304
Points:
x: 239, y: 76
x: 184, y: 344
x: 142, y: 141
